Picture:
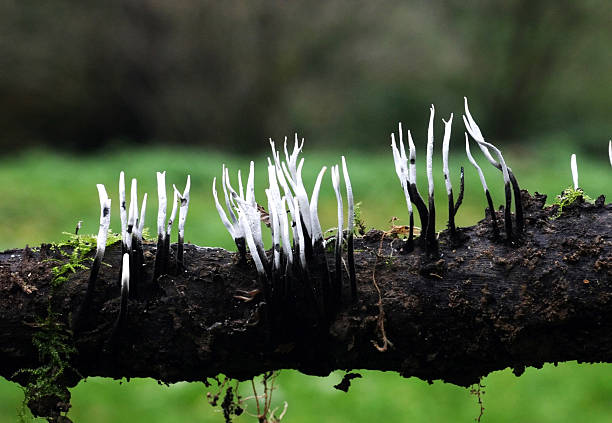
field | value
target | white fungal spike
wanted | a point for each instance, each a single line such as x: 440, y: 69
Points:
x: 471, y: 159
x: 284, y: 228
x: 133, y: 211
x: 397, y: 159
x: 240, y: 188
x: 173, y: 212
x: 141, y: 221
x: 274, y: 227
x: 298, y: 223
x: 317, y: 233
x: 474, y: 131
x: 105, y: 209
x: 222, y: 215
x: 401, y: 166
x: 250, y: 190
x: 430, y: 144
x: 253, y: 221
x: 125, y: 276
x: 122, y: 203
x: 161, y: 208
x: 610, y: 151
x: 445, y: 147
x: 335, y: 175
x: 349, y: 198
x: 574, y: 168
x: 225, y: 183
x: 412, y: 158
x: 184, y: 198
x: 244, y: 221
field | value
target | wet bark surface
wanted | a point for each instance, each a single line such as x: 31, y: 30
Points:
x: 482, y: 305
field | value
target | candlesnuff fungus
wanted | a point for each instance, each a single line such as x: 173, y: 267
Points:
x: 574, y: 168
x: 123, y: 307
x: 105, y: 212
x: 484, y: 186
x: 160, y: 258
x: 401, y: 169
x: 474, y: 131
x: 122, y: 208
x: 184, y: 199
x: 350, y: 230
x: 449, y: 186
x: 430, y: 237
x: 169, y: 228
x: 337, y: 285
x: 412, y: 187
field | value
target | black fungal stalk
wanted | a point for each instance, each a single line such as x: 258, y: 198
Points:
x: 414, y: 191
x: 105, y: 209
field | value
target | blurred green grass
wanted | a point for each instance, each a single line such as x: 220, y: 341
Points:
x: 46, y: 193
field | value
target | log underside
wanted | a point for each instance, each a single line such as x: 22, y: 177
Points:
x: 482, y: 305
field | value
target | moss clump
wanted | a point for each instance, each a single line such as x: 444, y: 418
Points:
x: 568, y: 197
x: 44, y: 391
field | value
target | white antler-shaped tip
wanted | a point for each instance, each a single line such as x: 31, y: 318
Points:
x: 610, y: 151
x: 574, y: 167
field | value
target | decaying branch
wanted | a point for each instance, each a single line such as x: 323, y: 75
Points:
x: 479, y: 307
x: 453, y: 305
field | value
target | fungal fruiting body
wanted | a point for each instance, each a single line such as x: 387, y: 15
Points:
x: 184, y: 199
x: 474, y: 131
x: 337, y: 285
x: 401, y: 169
x: 350, y: 229
x: 160, y: 256
x: 574, y: 168
x: 431, y: 241
x: 484, y: 187
x: 449, y: 186
x: 484, y: 146
x: 105, y: 212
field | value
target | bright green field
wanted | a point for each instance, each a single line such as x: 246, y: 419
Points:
x: 43, y: 194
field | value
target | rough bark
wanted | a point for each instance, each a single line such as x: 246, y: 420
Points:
x: 482, y: 305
